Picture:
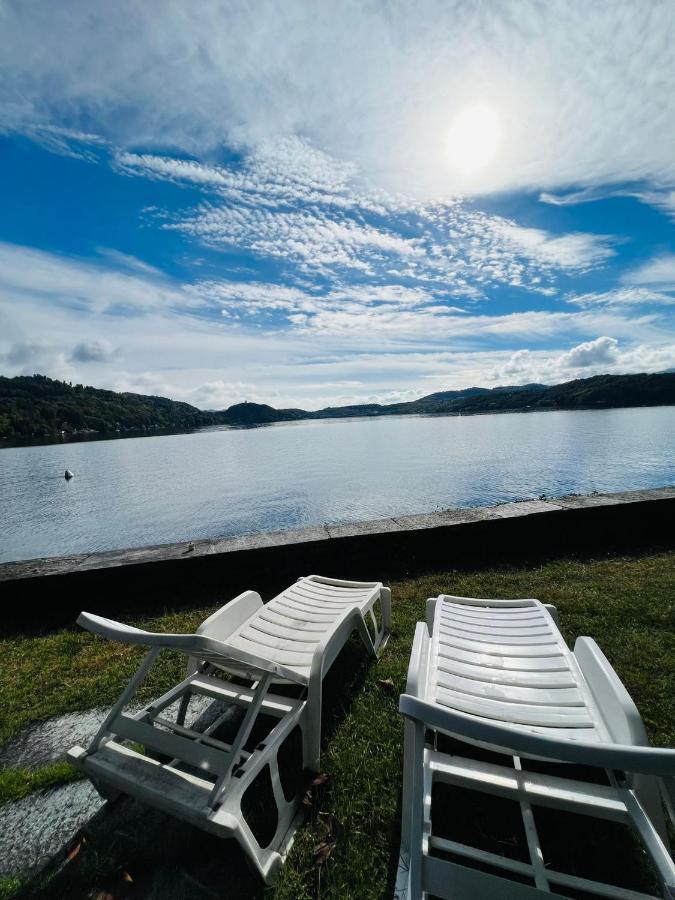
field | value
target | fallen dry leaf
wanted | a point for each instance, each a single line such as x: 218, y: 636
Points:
x: 324, y: 826
x: 75, y: 849
x: 319, y: 780
x: 322, y: 851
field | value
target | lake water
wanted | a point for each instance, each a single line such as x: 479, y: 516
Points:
x: 220, y: 483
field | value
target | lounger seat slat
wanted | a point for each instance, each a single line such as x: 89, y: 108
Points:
x: 490, y: 638
x: 509, y: 693
x: 317, y: 605
x: 494, y: 631
x: 330, y: 603
x: 326, y: 596
x: 535, y: 650
x: 519, y: 714
x: 283, y: 645
x: 275, y: 617
x: 562, y: 679
x: 513, y: 630
x: 474, y: 614
x: 288, y: 608
x: 554, y: 663
x: 354, y: 595
x: 273, y: 629
x: 294, y: 660
x: 480, y: 608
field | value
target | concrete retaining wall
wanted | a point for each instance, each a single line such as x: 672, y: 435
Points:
x: 53, y: 591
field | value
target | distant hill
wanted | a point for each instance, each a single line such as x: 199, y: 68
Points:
x: 39, y: 406
x: 35, y: 405
x: 258, y: 414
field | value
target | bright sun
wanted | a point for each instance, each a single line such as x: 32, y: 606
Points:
x: 473, y: 139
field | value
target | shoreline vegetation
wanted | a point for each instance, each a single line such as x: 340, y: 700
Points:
x: 38, y: 407
x: 626, y: 603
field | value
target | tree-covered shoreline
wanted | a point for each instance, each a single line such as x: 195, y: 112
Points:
x: 35, y: 406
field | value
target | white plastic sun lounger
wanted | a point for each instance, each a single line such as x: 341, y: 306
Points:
x: 194, y: 774
x: 496, y: 675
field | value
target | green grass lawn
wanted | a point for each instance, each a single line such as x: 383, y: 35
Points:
x: 626, y: 604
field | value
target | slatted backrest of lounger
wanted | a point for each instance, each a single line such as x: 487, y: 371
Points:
x: 289, y: 628
x: 505, y: 660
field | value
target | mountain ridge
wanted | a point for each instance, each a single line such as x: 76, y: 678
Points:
x: 38, y: 406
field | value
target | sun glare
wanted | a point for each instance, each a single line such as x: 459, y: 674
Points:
x: 473, y: 139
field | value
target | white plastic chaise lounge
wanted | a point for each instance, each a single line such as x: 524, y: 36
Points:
x: 497, y: 676
x: 192, y: 774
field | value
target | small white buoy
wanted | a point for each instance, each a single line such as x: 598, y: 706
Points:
x: 68, y: 475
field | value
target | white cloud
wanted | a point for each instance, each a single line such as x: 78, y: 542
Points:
x: 83, y: 284
x: 658, y: 271
x: 570, y: 251
x: 374, y: 84
x: 127, y: 261
x: 313, y: 241
x: 661, y: 198
x: 622, y: 297
x: 601, y: 351
x: 600, y: 356
x: 296, y: 206
x: 66, y: 141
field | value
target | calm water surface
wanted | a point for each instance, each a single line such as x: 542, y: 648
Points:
x: 132, y: 492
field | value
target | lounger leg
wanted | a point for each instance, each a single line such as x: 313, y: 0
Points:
x: 313, y: 739
x: 126, y: 695
x: 408, y: 786
x: 385, y: 608
x: 362, y: 629
x: 413, y: 816
x: 242, y: 736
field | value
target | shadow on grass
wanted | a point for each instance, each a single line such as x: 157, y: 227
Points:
x: 129, y: 850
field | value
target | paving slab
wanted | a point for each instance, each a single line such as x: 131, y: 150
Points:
x: 47, y: 742
x: 110, y: 559
x: 50, y: 565
x: 32, y: 830
x: 445, y: 517
x: 358, y: 529
x: 587, y: 501
x: 242, y: 542
x: 525, y: 508
x: 300, y: 535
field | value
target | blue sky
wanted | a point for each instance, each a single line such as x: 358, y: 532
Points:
x: 309, y: 204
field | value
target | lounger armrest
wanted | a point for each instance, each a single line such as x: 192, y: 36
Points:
x: 431, y: 613
x: 418, y: 666
x: 196, y: 645
x: 228, y: 618
x: 628, y: 758
x: 553, y: 613
x: 613, y: 701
